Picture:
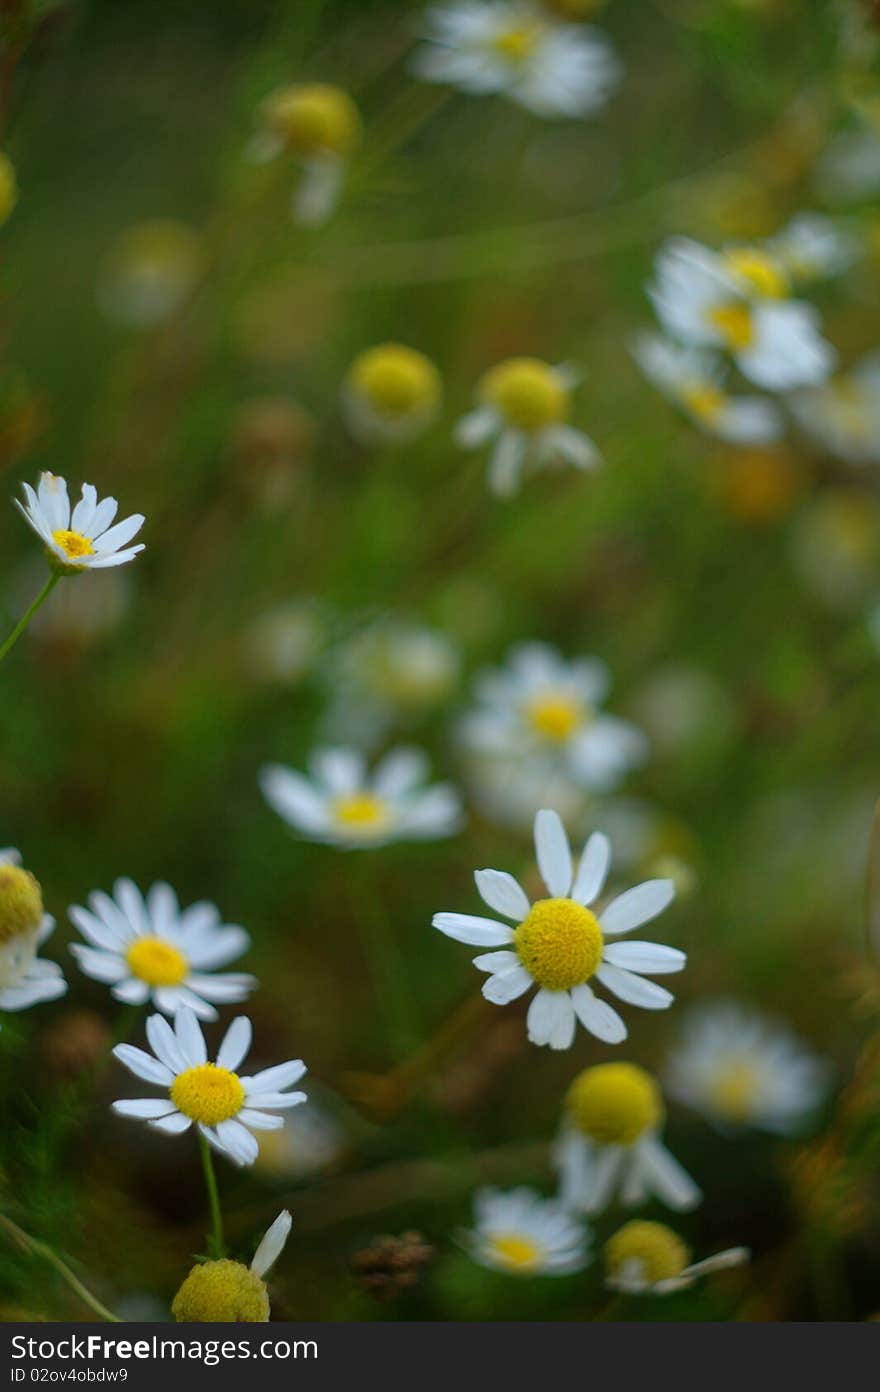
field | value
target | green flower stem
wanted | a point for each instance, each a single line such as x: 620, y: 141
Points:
x: 40, y: 1249
x: 384, y: 959
x: 216, y: 1246
x: 25, y: 620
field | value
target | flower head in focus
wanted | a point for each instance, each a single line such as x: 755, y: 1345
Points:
x: 693, y: 379
x: 320, y: 126
x: 650, y: 1259
x: 25, y: 979
x: 85, y: 539
x: 521, y: 1233
x: 843, y: 415
x: 391, y: 393
x: 228, y: 1291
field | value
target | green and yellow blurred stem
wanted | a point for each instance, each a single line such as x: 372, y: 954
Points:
x: 216, y: 1245
x: 40, y: 1249
x: 26, y: 618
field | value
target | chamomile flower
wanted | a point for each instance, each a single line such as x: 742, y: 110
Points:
x: 83, y: 540
x: 25, y: 979
x: 390, y: 672
x: 149, y: 273
x: 523, y: 1234
x: 229, y: 1292
x: 559, y: 945
x: 610, y: 1143
x: 148, y: 948
x: 524, y: 406
x: 741, y: 1070
x: 392, y: 393
x: 736, y: 300
x: 516, y: 48
x: 8, y: 187
x: 225, y: 1106
x: 341, y: 803
x: 540, y: 704
x: 320, y: 126
x: 650, y: 1259
x: 693, y: 379
x: 813, y: 247
x: 843, y: 415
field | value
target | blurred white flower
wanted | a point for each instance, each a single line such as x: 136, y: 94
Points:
x: 85, y: 540
x: 843, y: 415
x: 692, y: 378
x: 390, y: 671
x: 391, y: 393
x: 813, y: 247
x: 281, y: 645
x: 25, y: 978
x: 645, y: 1258
x: 149, y: 272
x: 849, y: 169
x: 309, y: 1142
x: 509, y: 791
x: 521, y: 1233
x: 321, y: 127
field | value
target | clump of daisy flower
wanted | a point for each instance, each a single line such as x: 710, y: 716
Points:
x: 148, y: 948
x: 25, y: 978
x: 741, y: 1070
x: 391, y: 393
x: 521, y: 1233
x: 559, y: 944
x: 692, y: 378
x: 843, y: 415
x: 524, y: 405
x: 225, y: 1106
x: 320, y: 126
x: 8, y: 187
x: 343, y: 804
x: 229, y: 1292
x: 521, y: 50
x: 610, y: 1143
x: 650, y: 1259
x: 150, y: 271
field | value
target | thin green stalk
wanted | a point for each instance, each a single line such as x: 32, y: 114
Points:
x: 216, y: 1245
x: 384, y: 960
x: 25, y: 620
x: 40, y: 1249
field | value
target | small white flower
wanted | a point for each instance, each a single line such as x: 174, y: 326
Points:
x: 692, y: 378
x: 524, y: 406
x: 735, y: 300
x: 741, y: 1070
x: 390, y: 672
x: 485, y: 47
x: 225, y: 1106
x: 523, y: 1234
x: 509, y: 790
x: 344, y: 805
x: 813, y: 247
x: 559, y: 945
x: 310, y: 1141
x: 610, y: 1143
x: 843, y: 415
x: 650, y: 1259
x: 543, y: 705
x: 25, y: 978
x: 85, y: 540
x: 150, y: 948
x: 391, y: 394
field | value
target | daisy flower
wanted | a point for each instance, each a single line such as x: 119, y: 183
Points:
x: 148, y: 948
x: 559, y: 945
x: 229, y: 1292
x: 344, y: 805
x: 740, y: 1070
x: 523, y: 1234
x: 84, y: 540
x: 540, y: 704
x: 524, y: 406
x: 150, y: 272
x: 25, y: 979
x: 692, y: 378
x: 390, y: 672
x: 392, y: 393
x: 813, y: 247
x: 610, y: 1142
x: 518, y: 49
x: 735, y: 300
x: 225, y: 1106
x: 843, y: 415
x: 321, y: 127
x: 650, y: 1259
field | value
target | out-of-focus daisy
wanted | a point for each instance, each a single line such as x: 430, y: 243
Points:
x: 559, y: 945
x: 835, y: 543
x: 281, y: 645
x: 153, y: 267
x: 516, y: 48
x: 843, y: 415
x: 692, y: 378
x: 309, y: 1142
x: 521, y: 1233
x: 391, y: 393
x: 343, y: 804
x: 321, y: 127
x: 735, y: 300
x: 25, y: 979
x: 148, y: 948
x: 849, y: 169
x: 83, y: 540
x: 229, y: 1292
x: 390, y: 671
x: 541, y: 704
x: 225, y: 1106
x: 742, y: 1070
x: 650, y: 1259
x: 813, y: 247
x: 510, y: 791
x: 524, y: 406
x: 8, y: 187
x: 610, y: 1143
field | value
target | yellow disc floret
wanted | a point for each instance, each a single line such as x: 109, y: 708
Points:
x: 8, y: 187
x: 528, y: 393
x: 704, y: 400
x: 218, y: 1292
x: 651, y: 1251
x: 515, y: 1252
x: 555, y: 715
x: 208, y: 1093
x: 614, y: 1103
x: 734, y: 324
x: 396, y: 380
x: 75, y: 547
x: 157, y: 962
x: 734, y: 1089
x: 559, y: 944
x: 362, y: 811
x: 761, y: 274
x: 518, y: 43
x: 313, y: 119
x: 21, y: 902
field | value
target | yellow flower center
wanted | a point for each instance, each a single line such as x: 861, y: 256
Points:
x: 704, y: 400
x: 224, y: 1292
x: 559, y: 944
x: 396, y: 380
x: 157, y: 962
x: 362, y: 811
x: 515, y: 1252
x: 614, y: 1103
x: 74, y: 545
x: 527, y: 392
x: 734, y: 323
x: 208, y: 1094
x: 21, y: 902
x: 518, y: 43
x: 734, y: 1089
x: 659, y: 1252
x: 762, y: 275
x: 555, y: 716
x: 314, y: 119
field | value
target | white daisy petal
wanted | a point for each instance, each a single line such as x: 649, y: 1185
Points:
x: 502, y: 893
x: 666, y: 1177
x: 175, y: 1124
x: 190, y: 1038
x: 272, y: 1245
x: 550, y: 1016
x: 146, y: 1108
x: 637, y: 906
x: 143, y: 1065
x: 648, y: 957
x: 477, y: 932
x: 592, y: 870
x: 553, y: 853
x: 236, y: 1043
x: 635, y: 990
x: 599, y: 1018
x: 507, y: 986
